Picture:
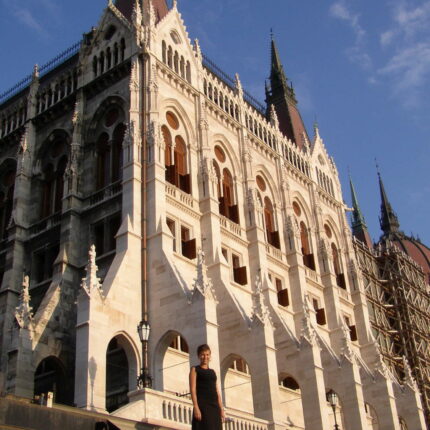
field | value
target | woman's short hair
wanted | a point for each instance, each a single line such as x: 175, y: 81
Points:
x: 202, y: 348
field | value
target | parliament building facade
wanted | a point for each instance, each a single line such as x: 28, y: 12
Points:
x: 141, y: 185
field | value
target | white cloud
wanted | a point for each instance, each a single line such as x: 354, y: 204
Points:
x: 407, y: 42
x: 356, y: 53
x: 27, y: 18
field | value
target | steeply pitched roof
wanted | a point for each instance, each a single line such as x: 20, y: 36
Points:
x: 126, y: 7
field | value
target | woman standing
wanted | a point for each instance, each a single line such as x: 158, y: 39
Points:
x: 208, y: 411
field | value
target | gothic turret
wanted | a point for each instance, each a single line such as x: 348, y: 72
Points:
x: 282, y: 97
x: 359, y: 227
x: 388, y: 220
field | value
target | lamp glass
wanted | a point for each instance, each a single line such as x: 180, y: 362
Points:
x: 144, y: 329
x: 332, y: 398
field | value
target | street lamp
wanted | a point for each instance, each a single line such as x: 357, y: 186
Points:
x: 144, y: 380
x: 332, y: 399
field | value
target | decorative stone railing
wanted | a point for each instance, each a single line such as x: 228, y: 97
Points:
x: 174, y: 412
x: 230, y: 225
x: 105, y: 193
x: 177, y: 194
x: 274, y: 252
x: 311, y: 274
x: 45, y: 224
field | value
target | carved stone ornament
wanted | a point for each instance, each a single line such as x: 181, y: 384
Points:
x: 22, y: 152
x: 308, y: 330
x: 260, y: 311
x: 91, y: 283
x: 76, y: 118
x: 198, y: 50
x: 202, y: 284
x: 292, y: 226
x: 129, y: 134
x: 238, y: 85
x: 274, y: 117
x: 409, y: 377
x: 134, y: 79
x: 347, y: 351
x: 24, y: 312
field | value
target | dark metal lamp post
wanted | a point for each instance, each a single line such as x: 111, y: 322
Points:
x: 144, y: 380
x: 332, y: 399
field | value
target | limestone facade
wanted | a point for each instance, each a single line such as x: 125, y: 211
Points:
x: 134, y: 164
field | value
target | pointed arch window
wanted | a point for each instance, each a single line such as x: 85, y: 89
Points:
x: 175, y: 157
x: 7, y: 184
x: 52, y: 181
x: 308, y: 257
x: 271, y: 233
x: 337, y: 265
x: 109, y: 148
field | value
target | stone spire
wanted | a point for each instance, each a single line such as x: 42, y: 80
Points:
x: 24, y: 312
x: 359, y: 227
x: 260, y: 311
x: 388, y: 220
x: 91, y: 282
x: 281, y: 95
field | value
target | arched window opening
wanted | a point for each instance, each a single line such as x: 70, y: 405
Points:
x: 180, y: 344
x: 122, y: 49
x: 59, y: 184
x: 164, y: 52
x: 108, y: 59
x: 269, y: 219
x: 7, y: 184
x: 117, y: 380
x: 238, y: 385
x: 103, y: 161
x: 102, y: 62
x: 340, y: 277
x: 290, y: 383
x: 176, y: 159
x: 226, y: 200
x: 170, y: 56
x: 115, y: 54
x: 48, y: 188
x: 188, y: 72
x: 308, y: 257
x: 51, y: 377
x: 176, y: 62
x: 117, y: 141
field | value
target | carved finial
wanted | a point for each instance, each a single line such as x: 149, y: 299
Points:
x: 136, y: 16
x: 23, y: 312
x: 202, y: 284
x: 175, y: 5
x: 198, y: 50
x: 347, y: 351
x: 35, y: 71
x: 238, y: 84
x: 152, y: 16
x: 260, y: 311
x: 76, y: 117
x: 274, y: 117
x: 409, y: 377
x: 91, y: 282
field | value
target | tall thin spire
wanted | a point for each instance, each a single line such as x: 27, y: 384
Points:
x: 281, y: 95
x: 388, y: 220
x: 359, y: 227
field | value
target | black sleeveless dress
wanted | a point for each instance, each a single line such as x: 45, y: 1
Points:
x: 207, y: 399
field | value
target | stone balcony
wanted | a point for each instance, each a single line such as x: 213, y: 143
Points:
x: 175, y: 412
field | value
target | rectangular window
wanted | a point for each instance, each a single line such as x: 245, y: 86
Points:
x: 188, y: 245
x: 224, y: 253
x: 114, y: 225
x: 239, y: 273
x: 99, y: 238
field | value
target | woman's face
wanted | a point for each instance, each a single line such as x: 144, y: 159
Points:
x: 205, y: 357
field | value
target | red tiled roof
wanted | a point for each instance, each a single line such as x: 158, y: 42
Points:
x: 416, y: 250
x: 126, y: 8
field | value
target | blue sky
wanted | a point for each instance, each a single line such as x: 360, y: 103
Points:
x: 360, y: 67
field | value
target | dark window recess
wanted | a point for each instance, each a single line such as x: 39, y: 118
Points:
x: 290, y: 383
x: 171, y: 224
x: 230, y: 212
x: 340, y: 280
x: 183, y: 182
x: 309, y: 261
x: 224, y: 253
x: 43, y: 263
x: 283, y: 298
x: 189, y: 249
x: 99, y: 238
x: 114, y: 225
x: 239, y: 275
x: 353, y: 333
x: 321, y: 320
x: 273, y: 239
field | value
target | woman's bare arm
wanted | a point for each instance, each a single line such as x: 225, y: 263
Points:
x: 218, y: 391
x: 193, y: 391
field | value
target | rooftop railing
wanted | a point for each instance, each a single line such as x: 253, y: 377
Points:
x: 43, y: 70
x: 230, y: 82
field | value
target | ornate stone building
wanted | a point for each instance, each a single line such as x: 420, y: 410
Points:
x: 140, y: 183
